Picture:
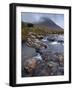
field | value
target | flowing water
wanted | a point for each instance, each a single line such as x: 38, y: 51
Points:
x: 54, y: 46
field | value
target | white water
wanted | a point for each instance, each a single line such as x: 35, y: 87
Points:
x: 55, y: 42
x: 44, y: 39
x: 38, y: 57
x: 60, y: 37
x: 54, y: 46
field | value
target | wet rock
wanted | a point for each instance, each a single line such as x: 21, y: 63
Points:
x: 52, y: 64
x: 44, y: 55
x: 61, y: 58
x: 48, y: 55
x: 61, y: 68
x: 60, y: 71
x: 39, y: 36
x: 33, y: 37
x: 52, y: 38
x: 30, y: 65
x: 31, y: 33
x: 60, y: 38
x: 38, y: 57
x: 35, y: 43
x: 41, y: 70
x: 54, y: 70
x: 37, y: 40
x: 60, y: 41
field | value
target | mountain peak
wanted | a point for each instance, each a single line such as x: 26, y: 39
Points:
x: 48, y: 23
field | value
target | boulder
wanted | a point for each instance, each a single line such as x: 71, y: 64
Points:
x: 52, y: 38
x: 39, y: 36
x: 52, y: 64
x: 41, y: 70
x: 35, y: 43
x: 30, y: 65
x: 61, y: 58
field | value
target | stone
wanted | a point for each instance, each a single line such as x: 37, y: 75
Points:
x: 61, y: 58
x: 54, y: 70
x: 44, y: 72
x: 52, y: 64
x: 33, y: 37
x: 30, y: 64
x: 39, y: 36
x: 35, y: 43
x: 41, y: 70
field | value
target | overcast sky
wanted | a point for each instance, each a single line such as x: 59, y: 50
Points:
x: 36, y: 17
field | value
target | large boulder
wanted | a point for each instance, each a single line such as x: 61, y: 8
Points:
x: 52, y: 38
x: 52, y: 64
x: 30, y: 65
x: 35, y: 43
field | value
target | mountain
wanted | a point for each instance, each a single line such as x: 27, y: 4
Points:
x: 43, y: 26
x: 46, y: 22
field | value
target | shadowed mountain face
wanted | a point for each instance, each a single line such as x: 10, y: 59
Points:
x: 48, y: 23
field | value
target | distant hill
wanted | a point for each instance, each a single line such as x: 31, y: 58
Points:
x: 46, y: 22
x: 43, y: 27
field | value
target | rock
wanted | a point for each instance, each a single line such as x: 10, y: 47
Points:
x: 38, y: 57
x: 55, y: 58
x: 44, y: 72
x: 54, y: 70
x: 47, y: 55
x: 60, y: 71
x: 60, y: 41
x: 61, y: 68
x: 61, y: 58
x: 44, y: 45
x: 44, y: 54
x: 52, y: 64
x: 52, y: 38
x: 60, y: 38
x: 35, y: 43
x: 33, y: 37
x: 30, y: 65
x: 31, y: 33
x: 39, y: 36
x: 41, y: 70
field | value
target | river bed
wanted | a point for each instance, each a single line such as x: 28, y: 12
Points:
x: 55, y: 48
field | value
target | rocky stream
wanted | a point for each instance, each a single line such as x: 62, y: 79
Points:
x: 43, y: 56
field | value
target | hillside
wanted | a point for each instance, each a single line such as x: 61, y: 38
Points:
x: 44, y: 27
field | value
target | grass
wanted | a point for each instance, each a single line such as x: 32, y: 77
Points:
x: 38, y: 30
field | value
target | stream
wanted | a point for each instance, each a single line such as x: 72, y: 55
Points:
x: 55, y: 45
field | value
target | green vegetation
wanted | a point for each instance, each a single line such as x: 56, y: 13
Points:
x: 38, y: 30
